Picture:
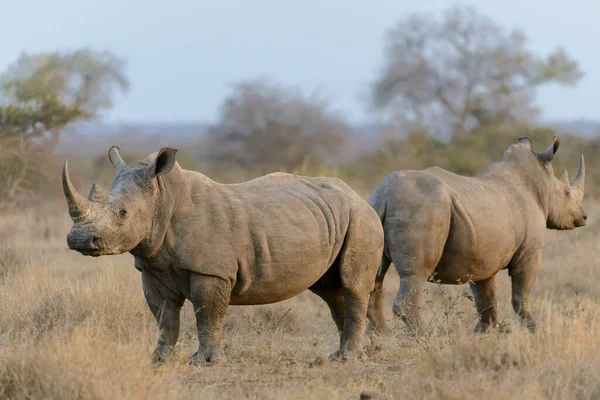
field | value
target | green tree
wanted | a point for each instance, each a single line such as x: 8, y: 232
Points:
x: 40, y: 95
x: 43, y: 93
x: 462, y: 70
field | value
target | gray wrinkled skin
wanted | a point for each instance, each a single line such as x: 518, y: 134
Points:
x: 453, y: 229
x: 258, y: 242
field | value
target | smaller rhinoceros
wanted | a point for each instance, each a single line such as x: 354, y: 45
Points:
x: 257, y: 242
x: 454, y: 229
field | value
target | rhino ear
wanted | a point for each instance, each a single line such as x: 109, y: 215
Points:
x: 524, y: 140
x: 115, y: 158
x: 564, y: 177
x: 164, y: 162
x: 548, y: 154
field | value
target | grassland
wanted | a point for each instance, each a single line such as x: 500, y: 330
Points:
x: 73, y: 327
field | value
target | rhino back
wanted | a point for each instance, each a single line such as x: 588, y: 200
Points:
x: 273, y: 236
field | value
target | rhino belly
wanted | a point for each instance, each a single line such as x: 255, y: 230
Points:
x: 466, y: 264
x: 292, y: 244
x: 277, y: 282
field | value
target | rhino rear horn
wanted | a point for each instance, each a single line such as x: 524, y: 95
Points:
x: 78, y: 205
x: 96, y: 194
x: 115, y: 158
x: 548, y: 154
x: 579, y: 179
x: 564, y: 177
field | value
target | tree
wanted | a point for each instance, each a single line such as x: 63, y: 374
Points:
x: 42, y: 93
x: 266, y: 126
x: 462, y: 70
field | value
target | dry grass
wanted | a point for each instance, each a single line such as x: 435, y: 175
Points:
x: 78, y: 328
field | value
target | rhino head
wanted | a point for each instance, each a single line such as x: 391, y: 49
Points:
x: 565, y: 210
x: 118, y: 221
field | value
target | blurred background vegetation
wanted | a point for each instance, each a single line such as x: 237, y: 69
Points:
x: 454, y: 90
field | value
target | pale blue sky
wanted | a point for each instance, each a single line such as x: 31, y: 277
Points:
x: 183, y: 53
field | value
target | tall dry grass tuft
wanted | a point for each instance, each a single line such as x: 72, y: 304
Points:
x: 561, y: 361
x: 78, y: 327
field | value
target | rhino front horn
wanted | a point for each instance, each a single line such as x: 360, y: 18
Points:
x: 78, y: 206
x: 115, y: 158
x: 579, y: 180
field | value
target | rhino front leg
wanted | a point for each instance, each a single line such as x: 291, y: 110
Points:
x: 210, y: 297
x: 165, y: 307
x: 522, y: 282
x: 484, y: 293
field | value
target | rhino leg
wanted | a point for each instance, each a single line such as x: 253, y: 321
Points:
x: 166, y: 312
x: 416, y: 232
x: 375, y: 312
x: 358, y: 263
x: 335, y: 300
x: 522, y: 282
x: 484, y: 293
x: 408, y: 302
x: 210, y: 297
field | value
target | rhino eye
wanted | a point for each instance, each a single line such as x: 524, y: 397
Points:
x: 123, y: 212
x: 567, y: 192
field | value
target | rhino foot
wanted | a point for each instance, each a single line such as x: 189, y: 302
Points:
x: 207, y: 359
x: 414, y: 326
x: 530, y: 325
x: 158, y: 359
x: 159, y: 356
x: 379, y: 329
x: 485, y: 327
x: 343, y: 356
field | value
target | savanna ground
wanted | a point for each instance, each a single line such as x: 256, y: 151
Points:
x: 74, y: 327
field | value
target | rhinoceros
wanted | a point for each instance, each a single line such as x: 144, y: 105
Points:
x: 258, y: 242
x: 454, y: 229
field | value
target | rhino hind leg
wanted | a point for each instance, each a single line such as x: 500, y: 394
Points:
x: 484, y: 293
x: 416, y: 236
x: 375, y: 316
x: 346, y: 312
x: 334, y: 297
x: 409, y: 301
x: 210, y: 297
x: 357, y: 266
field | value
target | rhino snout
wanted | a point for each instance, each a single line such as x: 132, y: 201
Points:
x: 581, y: 221
x: 85, y: 244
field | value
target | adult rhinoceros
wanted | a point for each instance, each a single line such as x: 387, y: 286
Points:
x: 257, y: 242
x: 455, y: 229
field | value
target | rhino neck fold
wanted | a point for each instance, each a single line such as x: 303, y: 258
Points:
x: 171, y: 190
x: 520, y: 183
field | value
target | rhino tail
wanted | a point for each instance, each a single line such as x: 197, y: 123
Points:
x: 383, y: 269
x: 379, y: 204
